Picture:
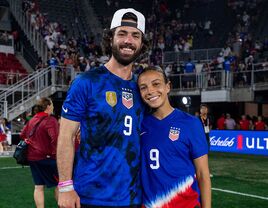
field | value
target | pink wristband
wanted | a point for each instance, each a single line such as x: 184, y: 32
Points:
x: 65, y: 183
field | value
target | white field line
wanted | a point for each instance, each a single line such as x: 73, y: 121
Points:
x: 215, y: 189
x: 14, y: 167
x: 239, y: 193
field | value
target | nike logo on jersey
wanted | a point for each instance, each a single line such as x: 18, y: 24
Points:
x: 64, y: 109
x: 143, y: 133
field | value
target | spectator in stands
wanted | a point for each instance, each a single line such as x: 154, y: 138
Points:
x: 211, y: 77
x: 41, y: 134
x: 40, y: 65
x: 198, y: 67
x: 221, y: 122
x: 207, y: 27
x: 11, y: 77
x: 110, y: 138
x: 241, y: 77
x: 189, y: 69
x: 220, y: 61
x: 244, y: 123
x: 260, y: 125
x: 15, y: 35
x: 230, y: 123
x: 227, y: 51
x: 249, y: 62
x: 168, y: 70
x: 53, y: 62
x: 227, y: 71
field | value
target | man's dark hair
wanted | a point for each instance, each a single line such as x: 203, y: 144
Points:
x: 203, y: 105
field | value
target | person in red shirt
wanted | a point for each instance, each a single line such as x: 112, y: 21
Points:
x: 41, y: 134
x: 244, y: 123
x: 221, y: 122
x: 259, y: 124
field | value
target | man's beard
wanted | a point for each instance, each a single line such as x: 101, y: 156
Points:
x: 121, y: 59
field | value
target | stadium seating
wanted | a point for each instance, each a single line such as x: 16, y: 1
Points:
x: 11, y: 69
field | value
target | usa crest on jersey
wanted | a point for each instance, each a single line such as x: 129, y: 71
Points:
x: 127, y: 99
x: 174, y: 133
x: 111, y: 98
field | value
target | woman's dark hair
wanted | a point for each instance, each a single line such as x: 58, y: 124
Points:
x: 6, y: 121
x: 42, y: 104
x: 157, y: 69
x: 108, y: 35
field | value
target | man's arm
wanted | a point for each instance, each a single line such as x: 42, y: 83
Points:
x: 203, y: 178
x: 65, y: 158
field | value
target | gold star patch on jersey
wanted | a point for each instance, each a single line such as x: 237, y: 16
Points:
x: 174, y: 133
x: 111, y: 98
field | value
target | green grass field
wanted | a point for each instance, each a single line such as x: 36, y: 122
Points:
x: 245, y: 174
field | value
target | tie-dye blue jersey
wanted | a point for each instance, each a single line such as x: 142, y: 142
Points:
x: 168, y: 148
x: 110, y: 111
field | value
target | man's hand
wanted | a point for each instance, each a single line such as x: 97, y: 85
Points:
x: 69, y: 199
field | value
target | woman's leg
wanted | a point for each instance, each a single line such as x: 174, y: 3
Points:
x: 1, y: 147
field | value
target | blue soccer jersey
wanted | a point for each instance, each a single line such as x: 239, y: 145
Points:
x: 110, y: 111
x: 168, y: 148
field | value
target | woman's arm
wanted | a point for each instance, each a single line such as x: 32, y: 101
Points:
x: 203, y: 178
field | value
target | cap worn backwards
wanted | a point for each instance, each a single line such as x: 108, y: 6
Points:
x: 118, y: 15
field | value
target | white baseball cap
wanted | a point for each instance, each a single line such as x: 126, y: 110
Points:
x: 118, y: 15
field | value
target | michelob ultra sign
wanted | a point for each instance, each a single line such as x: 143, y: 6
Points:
x: 244, y: 142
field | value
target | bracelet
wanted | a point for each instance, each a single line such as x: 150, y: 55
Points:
x: 65, y: 183
x: 66, y: 188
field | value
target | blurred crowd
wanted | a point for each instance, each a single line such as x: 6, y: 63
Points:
x: 244, y: 123
x: 168, y: 29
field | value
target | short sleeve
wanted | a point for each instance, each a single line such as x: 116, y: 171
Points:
x: 76, y: 102
x: 198, y: 142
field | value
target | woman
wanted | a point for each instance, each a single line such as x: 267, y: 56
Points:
x: 41, y: 132
x: 5, y: 135
x: 174, y: 150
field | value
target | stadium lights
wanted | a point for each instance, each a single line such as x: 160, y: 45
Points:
x: 186, y: 102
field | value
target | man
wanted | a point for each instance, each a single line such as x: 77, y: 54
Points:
x: 229, y: 122
x: 220, y: 122
x: 260, y: 125
x: 244, y: 123
x: 206, y: 121
x: 105, y: 103
x: 189, y: 70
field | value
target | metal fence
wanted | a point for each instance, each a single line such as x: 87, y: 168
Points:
x: 14, y: 99
x: 220, y: 79
x: 196, y: 55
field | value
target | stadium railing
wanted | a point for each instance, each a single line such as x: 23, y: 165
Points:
x: 255, y: 79
x: 22, y: 96
x: 202, y: 55
x: 33, y: 35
